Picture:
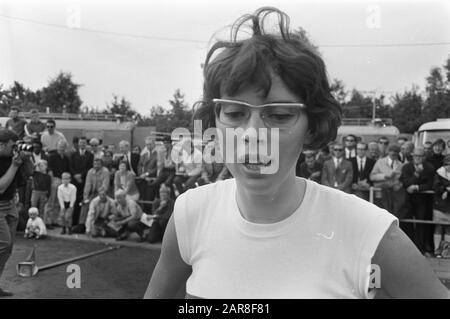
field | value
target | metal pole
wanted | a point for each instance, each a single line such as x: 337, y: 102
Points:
x: 68, y: 260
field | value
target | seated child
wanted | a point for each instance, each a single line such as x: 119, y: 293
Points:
x: 35, y: 225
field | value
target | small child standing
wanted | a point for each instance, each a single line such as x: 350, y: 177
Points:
x: 67, y: 194
x: 35, y: 225
x: 42, y: 183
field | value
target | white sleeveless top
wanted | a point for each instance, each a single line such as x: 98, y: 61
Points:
x: 323, y: 250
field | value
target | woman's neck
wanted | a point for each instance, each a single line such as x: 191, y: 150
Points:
x: 271, y: 207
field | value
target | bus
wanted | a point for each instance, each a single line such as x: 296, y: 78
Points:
x: 431, y: 131
x: 368, y: 130
x: 108, y: 128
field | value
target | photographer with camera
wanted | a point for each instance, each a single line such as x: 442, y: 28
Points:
x: 12, y: 168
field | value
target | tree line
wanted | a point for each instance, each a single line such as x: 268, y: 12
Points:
x: 408, y: 109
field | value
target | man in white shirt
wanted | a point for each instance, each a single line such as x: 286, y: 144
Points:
x: 386, y: 175
x: 51, y: 137
x: 67, y: 194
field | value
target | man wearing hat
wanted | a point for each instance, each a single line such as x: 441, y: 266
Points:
x: 417, y: 178
x: 385, y: 175
x: 12, y: 169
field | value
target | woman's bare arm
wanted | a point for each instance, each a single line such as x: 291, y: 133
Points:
x: 171, y: 272
x: 405, y: 273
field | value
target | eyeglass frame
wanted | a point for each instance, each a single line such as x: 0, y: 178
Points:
x: 296, y: 104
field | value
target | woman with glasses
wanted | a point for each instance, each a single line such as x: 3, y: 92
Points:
x: 266, y: 233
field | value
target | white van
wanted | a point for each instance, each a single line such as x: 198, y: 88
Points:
x: 431, y: 131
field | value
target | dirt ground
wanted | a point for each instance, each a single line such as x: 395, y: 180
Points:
x: 122, y: 273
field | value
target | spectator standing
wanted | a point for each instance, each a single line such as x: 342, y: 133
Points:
x: 417, y: 177
x: 437, y: 157
x: 427, y: 146
x: 441, y: 212
x: 147, y: 170
x: 386, y: 175
x: 58, y: 163
x: 15, y: 123
x: 338, y: 172
x: 311, y: 169
x: 74, y: 148
x: 109, y: 164
x: 11, y: 166
x: 137, y: 150
x: 383, y: 144
x: 350, y: 146
x: 166, y: 166
x: 131, y: 159
x: 405, y: 152
x: 96, y: 150
x: 362, y: 166
x: 101, y: 210
x: 38, y: 154
x: 191, y: 161
x: 41, y: 189
x: 35, y: 225
x: 97, y: 178
x: 373, y: 151
x: 125, y: 180
x: 67, y: 194
x: 35, y: 127
x: 51, y: 137
x: 81, y: 162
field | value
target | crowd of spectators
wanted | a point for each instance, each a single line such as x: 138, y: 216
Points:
x: 109, y: 191
x: 101, y: 190
x: 410, y: 182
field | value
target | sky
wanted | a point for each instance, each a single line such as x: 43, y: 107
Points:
x: 145, y: 50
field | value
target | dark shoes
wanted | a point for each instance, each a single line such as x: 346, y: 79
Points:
x: 4, y: 293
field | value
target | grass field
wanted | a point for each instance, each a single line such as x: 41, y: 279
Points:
x: 122, y: 273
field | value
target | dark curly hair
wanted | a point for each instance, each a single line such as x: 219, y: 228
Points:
x: 290, y: 55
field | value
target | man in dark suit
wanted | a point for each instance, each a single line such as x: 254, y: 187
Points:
x: 350, y: 149
x: 338, y: 172
x: 80, y: 163
x: 132, y: 159
x: 362, y: 166
x: 147, y: 171
x: 417, y: 178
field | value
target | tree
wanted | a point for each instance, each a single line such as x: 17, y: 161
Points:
x: 180, y: 115
x: 359, y: 106
x: 338, y: 91
x: 407, y: 111
x: 120, y: 106
x: 18, y: 95
x: 437, y: 104
x: 61, y: 94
